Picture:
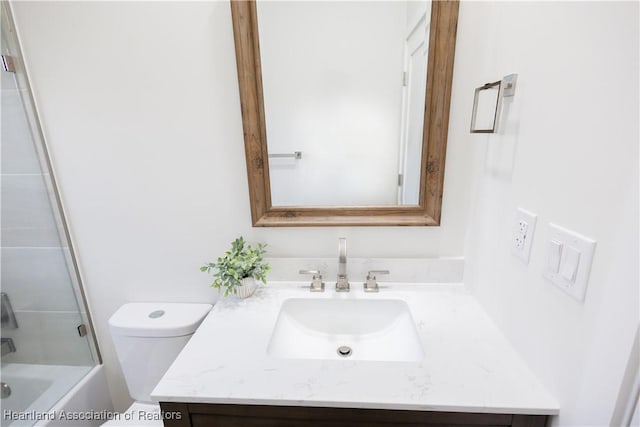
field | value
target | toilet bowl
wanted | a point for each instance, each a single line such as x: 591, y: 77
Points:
x: 147, y: 338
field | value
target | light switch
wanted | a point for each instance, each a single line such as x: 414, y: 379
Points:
x: 569, y: 258
x: 554, y: 255
x: 570, y: 264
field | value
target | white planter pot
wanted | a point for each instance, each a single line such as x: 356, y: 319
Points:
x: 247, y: 288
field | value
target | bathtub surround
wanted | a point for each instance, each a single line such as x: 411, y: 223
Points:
x: 150, y: 160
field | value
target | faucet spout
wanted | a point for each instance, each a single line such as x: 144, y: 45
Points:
x: 342, y: 284
x: 8, y: 346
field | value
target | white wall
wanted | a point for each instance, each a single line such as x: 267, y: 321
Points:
x: 568, y: 151
x: 139, y: 104
x: 332, y: 77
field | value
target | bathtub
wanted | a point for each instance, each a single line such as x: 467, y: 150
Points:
x: 54, y: 395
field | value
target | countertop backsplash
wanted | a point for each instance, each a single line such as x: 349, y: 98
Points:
x: 410, y: 270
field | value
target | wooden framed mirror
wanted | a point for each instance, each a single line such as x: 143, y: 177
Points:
x: 424, y: 210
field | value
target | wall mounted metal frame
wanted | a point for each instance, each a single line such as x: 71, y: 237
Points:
x: 491, y: 109
x: 481, y: 105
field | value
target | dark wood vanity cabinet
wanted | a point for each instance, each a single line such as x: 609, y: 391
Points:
x: 223, y: 415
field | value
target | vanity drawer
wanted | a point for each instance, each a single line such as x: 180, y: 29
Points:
x: 221, y: 415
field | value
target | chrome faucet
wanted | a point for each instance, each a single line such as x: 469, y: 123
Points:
x: 371, y: 285
x: 7, y: 316
x: 7, y: 346
x: 317, y: 285
x: 342, y: 284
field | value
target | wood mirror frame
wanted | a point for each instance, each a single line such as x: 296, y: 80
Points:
x: 442, y: 39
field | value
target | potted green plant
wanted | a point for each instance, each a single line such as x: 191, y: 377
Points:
x: 240, y: 269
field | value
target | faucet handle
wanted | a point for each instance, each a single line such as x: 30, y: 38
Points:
x: 317, y: 285
x: 371, y: 285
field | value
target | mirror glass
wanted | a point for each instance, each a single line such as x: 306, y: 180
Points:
x: 344, y: 100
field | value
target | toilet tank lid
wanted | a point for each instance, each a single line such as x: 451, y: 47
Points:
x: 157, y: 319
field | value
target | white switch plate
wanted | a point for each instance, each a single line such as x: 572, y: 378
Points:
x: 522, y: 238
x: 576, y: 249
x: 554, y: 254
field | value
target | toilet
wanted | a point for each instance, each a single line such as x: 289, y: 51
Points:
x: 147, y: 338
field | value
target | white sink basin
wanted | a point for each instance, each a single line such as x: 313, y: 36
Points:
x: 372, y: 329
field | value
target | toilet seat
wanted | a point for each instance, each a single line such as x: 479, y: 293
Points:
x: 139, y: 414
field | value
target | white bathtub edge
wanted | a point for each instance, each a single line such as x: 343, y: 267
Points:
x: 87, y: 399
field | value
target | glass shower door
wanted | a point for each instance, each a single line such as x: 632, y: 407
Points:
x: 47, y: 344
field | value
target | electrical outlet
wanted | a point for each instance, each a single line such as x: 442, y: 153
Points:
x: 525, y: 225
x: 521, y: 234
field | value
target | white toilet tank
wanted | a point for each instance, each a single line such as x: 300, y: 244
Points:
x: 148, y: 338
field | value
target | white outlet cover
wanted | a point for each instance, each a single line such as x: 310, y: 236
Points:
x: 519, y: 248
x: 572, y: 242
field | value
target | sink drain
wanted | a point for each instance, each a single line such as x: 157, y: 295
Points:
x: 344, y: 351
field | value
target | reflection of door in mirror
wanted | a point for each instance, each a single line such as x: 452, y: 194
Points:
x: 416, y: 52
x: 344, y: 84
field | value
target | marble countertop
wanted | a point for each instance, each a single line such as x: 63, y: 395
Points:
x: 469, y: 366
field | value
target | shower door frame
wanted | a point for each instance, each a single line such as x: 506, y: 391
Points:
x: 8, y: 29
